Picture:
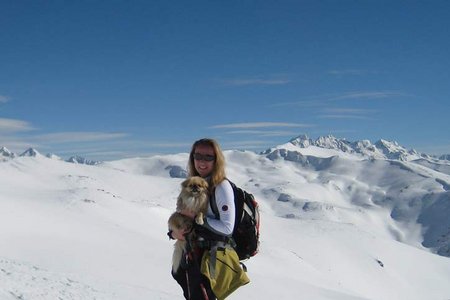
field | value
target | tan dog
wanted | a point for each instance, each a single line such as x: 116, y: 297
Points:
x: 194, y: 197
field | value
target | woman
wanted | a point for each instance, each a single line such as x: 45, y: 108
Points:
x: 206, y: 160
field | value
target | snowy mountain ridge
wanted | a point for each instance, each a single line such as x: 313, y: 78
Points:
x: 381, y: 149
x: 31, y: 152
x: 81, y: 160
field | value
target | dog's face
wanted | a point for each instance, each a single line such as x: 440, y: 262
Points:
x: 180, y: 222
x: 194, y: 195
x: 195, y: 185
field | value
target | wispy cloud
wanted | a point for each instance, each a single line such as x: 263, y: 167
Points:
x: 262, y: 133
x: 270, y: 80
x: 368, y: 95
x: 4, y: 99
x: 170, y: 145
x: 349, y: 72
x: 334, y: 132
x: 71, y: 137
x: 310, y: 102
x: 13, y: 125
x: 347, y: 113
x: 325, y: 100
x: 259, y: 125
x: 248, y: 144
x: 344, y: 116
x: 74, y: 141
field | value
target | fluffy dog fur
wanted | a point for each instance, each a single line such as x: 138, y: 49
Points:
x: 194, y: 197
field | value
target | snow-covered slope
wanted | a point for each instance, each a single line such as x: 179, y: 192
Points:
x: 415, y: 193
x: 339, y: 226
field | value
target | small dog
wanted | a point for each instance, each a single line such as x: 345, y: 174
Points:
x: 194, y: 196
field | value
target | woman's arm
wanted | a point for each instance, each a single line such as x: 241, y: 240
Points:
x: 224, y: 198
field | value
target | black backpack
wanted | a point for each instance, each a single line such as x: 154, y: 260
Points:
x: 246, y: 226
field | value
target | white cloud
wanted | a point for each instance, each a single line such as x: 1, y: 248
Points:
x: 354, y: 72
x: 324, y: 100
x: 345, y: 116
x: 260, y: 125
x: 170, y: 145
x: 70, y: 137
x: 368, y: 95
x: 3, y: 99
x: 249, y: 144
x: 263, y: 133
x: 12, y: 125
x: 275, y: 80
x: 347, y: 113
x: 52, y: 141
x: 349, y: 110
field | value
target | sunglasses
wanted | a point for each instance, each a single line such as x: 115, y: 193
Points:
x: 204, y: 157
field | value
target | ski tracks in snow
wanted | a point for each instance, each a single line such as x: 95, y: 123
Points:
x: 20, y: 280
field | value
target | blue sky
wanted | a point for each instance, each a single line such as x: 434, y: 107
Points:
x: 115, y: 79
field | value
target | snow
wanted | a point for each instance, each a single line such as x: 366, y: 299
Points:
x: 350, y: 228
x: 326, y: 146
x: 30, y: 152
x: 4, y: 152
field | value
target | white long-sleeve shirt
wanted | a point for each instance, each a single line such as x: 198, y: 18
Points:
x: 224, y: 198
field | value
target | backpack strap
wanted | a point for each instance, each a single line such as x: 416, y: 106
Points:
x: 213, y: 203
x: 213, y: 255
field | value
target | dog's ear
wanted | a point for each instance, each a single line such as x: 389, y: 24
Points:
x: 184, y: 183
x: 205, y: 183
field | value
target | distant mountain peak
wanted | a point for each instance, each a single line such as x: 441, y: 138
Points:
x: 81, y: 160
x: 30, y: 152
x: 387, y: 144
x: 331, y: 142
x: 302, y: 141
x: 392, y: 150
x: 6, y: 153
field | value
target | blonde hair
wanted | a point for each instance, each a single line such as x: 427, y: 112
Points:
x: 218, y: 172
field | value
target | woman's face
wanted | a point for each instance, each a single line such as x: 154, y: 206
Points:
x: 204, y: 159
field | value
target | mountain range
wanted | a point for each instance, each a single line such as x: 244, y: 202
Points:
x: 31, y: 152
x: 382, y: 149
